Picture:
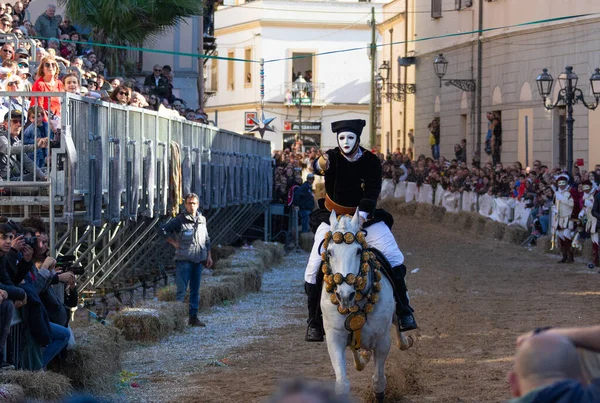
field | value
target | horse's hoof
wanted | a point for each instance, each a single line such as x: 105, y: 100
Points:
x: 379, y: 397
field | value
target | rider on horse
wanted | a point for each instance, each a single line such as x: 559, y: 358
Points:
x: 353, y: 179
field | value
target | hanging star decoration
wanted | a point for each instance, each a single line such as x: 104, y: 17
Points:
x: 261, y: 126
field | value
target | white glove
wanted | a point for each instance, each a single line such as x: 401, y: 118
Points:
x: 581, y: 214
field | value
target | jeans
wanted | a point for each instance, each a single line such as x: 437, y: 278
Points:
x: 544, y: 221
x: 435, y: 151
x: 304, y: 215
x: 189, y: 273
x: 6, y: 313
x: 60, y: 338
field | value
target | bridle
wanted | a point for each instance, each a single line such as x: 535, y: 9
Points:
x: 369, y: 274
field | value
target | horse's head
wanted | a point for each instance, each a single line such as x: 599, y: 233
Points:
x: 344, y: 254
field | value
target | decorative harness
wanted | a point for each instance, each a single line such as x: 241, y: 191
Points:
x: 369, y: 273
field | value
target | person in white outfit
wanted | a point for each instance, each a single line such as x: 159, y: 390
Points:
x: 353, y: 180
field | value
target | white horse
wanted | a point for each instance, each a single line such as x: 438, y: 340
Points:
x: 348, y: 304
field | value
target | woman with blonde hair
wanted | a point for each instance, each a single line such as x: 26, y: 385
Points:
x: 48, y: 81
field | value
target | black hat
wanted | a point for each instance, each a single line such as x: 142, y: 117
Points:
x: 354, y: 125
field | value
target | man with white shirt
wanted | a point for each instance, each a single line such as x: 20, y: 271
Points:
x: 353, y: 180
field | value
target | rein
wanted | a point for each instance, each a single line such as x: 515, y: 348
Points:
x: 368, y: 274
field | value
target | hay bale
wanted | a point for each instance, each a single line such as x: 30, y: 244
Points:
x: 11, y: 393
x: 95, y: 362
x: 43, y: 385
x: 423, y: 210
x: 221, y: 252
x: 450, y: 220
x: 271, y: 251
x: 222, y: 264
x: 515, y: 234
x: 544, y: 244
x: 306, y: 241
x: 494, y: 229
x: 465, y: 220
x: 479, y: 224
x: 167, y: 293
x: 152, y: 320
x: 437, y: 214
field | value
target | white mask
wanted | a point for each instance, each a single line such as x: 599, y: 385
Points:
x: 562, y: 183
x: 347, y: 141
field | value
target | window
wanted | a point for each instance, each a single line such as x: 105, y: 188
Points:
x: 214, y: 75
x: 302, y: 65
x: 248, y: 68
x: 436, y: 8
x: 230, y: 71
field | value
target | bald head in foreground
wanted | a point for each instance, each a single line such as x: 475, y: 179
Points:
x: 547, y: 369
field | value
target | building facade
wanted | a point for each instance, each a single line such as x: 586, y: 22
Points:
x: 323, y: 41
x: 520, y: 39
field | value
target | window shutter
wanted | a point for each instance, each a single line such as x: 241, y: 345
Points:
x: 436, y: 8
x: 457, y: 4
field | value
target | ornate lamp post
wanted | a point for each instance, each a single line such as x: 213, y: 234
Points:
x: 392, y: 91
x: 569, y: 95
x: 300, y: 97
x: 440, y: 65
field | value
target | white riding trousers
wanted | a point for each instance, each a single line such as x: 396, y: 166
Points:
x: 378, y: 236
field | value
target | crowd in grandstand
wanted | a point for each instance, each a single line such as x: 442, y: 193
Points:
x: 66, y: 61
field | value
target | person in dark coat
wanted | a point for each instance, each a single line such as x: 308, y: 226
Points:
x: 305, y: 200
x: 353, y: 180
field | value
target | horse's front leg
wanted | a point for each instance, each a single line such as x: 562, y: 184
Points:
x: 336, y: 345
x: 380, y: 353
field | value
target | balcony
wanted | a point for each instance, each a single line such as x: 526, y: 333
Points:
x: 310, y: 95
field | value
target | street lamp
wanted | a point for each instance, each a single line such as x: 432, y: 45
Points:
x: 392, y: 91
x: 440, y: 65
x: 570, y: 95
x: 300, y: 97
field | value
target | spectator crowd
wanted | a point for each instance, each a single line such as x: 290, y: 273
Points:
x: 535, y: 185
x: 66, y: 61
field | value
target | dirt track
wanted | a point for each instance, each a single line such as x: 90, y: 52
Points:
x: 472, y: 297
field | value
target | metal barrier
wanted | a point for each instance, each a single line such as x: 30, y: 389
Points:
x: 115, y: 171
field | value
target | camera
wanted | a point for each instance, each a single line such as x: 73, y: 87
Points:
x: 65, y: 263
x: 31, y: 241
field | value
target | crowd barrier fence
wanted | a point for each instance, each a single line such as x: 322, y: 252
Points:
x: 110, y: 174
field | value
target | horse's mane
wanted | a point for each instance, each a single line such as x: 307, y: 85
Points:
x: 344, y: 225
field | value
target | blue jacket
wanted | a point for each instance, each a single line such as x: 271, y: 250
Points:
x: 567, y: 391
x: 303, y: 197
x: 32, y: 133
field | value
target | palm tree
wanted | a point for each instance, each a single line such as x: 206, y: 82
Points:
x: 127, y: 22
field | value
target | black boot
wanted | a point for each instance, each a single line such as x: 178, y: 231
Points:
x: 314, y: 332
x: 569, y: 247
x: 406, y: 320
x: 563, y: 250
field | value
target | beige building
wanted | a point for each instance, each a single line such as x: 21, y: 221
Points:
x: 520, y: 38
x: 325, y: 41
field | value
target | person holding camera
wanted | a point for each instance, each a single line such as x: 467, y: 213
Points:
x: 187, y: 233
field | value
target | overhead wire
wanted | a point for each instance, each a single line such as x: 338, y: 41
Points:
x: 336, y: 51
